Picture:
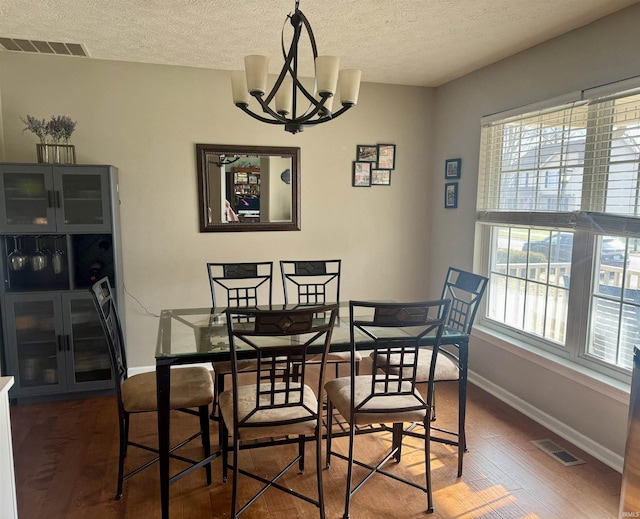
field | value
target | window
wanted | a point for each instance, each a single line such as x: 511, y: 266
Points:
x: 559, y: 210
x: 529, y: 281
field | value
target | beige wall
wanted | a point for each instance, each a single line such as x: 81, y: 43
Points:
x: 599, y: 53
x: 146, y: 120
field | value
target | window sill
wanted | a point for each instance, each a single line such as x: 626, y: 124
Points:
x: 609, y: 386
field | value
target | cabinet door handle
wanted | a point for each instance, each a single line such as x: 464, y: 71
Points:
x: 67, y: 339
x: 50, y: 198
x: 59, y: 339
x: 57, y: 198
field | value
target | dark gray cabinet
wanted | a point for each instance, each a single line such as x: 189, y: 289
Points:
x: 47, y: 198
x: 57, y: 344
x: 59, y: 232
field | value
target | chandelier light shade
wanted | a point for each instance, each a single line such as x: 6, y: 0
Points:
x: 281, y: 104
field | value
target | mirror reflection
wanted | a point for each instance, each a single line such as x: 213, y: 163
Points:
x: 248, y: 188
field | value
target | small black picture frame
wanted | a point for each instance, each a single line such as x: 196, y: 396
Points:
x: 380, y: 177
x: 361, y: 174
x: 367, y: 153
x: 386, y: 156
x: 451, y: 195
x: 452, y: 168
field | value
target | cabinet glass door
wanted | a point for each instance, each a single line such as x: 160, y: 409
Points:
x: 89, y: 365
x: 35, y: 324
x: 84, y: 203
x: 28, y: 199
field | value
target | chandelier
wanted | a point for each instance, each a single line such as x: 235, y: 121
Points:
x: 288, y: 91
x: 224, y: 160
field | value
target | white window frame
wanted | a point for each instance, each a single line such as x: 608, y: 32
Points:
x: 586, y: 225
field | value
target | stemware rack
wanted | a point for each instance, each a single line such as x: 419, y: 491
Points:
x: 79, y: 253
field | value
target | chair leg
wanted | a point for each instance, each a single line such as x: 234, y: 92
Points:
x: 329, y: 431
x: 206, y: 439
x: 301, y: 441
x: 124, y: 439
x: 433, y: 404
x: 218, y: 388
x: 427, y: 462
x: 236, y: 463
x: 126, y: 434
x: 224, y: 445
x: 397, y: 441
x: 319, y: 469
x: 347, y: 501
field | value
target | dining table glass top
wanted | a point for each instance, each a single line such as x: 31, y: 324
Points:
x: 195, y: 334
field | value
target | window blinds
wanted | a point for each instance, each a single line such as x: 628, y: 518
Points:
x: 583, y: 156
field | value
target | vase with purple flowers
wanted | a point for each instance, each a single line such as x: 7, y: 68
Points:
x: 54, y: 135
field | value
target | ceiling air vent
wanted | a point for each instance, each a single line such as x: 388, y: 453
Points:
x: 44, y: 47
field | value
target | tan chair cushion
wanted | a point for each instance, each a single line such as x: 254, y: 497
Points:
x: 446, y: 367
x: 339, y: 392
x: 190, y: 387
x: 271, y: 417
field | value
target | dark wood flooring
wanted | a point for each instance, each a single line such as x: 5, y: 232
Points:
x: 66, y: 465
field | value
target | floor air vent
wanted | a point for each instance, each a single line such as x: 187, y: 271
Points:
x: 558, y: 453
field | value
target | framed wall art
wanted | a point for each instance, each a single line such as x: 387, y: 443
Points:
x: 367, y: 153
x: 451, y: 195
x: 452, y: 168
x: 380, y: 177
x: 386, y: 156
x: 361, y: 174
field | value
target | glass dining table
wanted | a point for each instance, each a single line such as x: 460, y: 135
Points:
x: 199, y: 335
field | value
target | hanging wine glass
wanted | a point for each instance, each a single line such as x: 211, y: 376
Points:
x: 38, y: 258
x: 58, y: 257
x: 17, y: 259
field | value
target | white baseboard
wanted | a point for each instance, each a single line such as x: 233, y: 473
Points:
x: 576, y: 438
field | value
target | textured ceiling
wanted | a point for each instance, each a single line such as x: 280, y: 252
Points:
x: 424, y: 43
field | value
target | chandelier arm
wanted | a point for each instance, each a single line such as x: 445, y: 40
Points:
x: 312, y: 39
x: 332, y: 116
x: 280, y: 119
x: 317, y: 107
x: 267, y: 109
x: 287, y: 62
x: 314, y: 49
x: 303, y: 90
x: 224, y: 161
x: 246, y: 110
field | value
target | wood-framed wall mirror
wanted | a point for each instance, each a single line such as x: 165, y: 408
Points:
x: 248, y: 188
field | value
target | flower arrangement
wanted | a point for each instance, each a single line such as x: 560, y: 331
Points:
x: 36, y: 126
x: 58, y: 128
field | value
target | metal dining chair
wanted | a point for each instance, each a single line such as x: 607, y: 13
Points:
x: 465, y: 290
x: 313, y: 282
x: 190, y: 388
x: 237, y: 285
x: 397, y: 332
x: 274, y: 404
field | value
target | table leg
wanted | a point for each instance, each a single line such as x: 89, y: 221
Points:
x: 462, y: 402
x: 163, y: 381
